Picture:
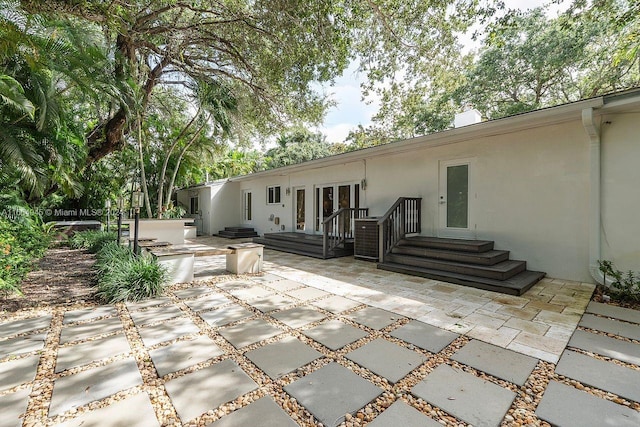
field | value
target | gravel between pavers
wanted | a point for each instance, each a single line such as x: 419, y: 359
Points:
x: 521, y: 412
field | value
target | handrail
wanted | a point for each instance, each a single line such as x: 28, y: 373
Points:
x: 338, y: 227
x: 403, y: 217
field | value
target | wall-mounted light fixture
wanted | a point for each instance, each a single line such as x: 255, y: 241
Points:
x: 363, y: 183
x: 287, y: 191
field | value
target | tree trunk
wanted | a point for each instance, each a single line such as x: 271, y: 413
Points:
x: 143, y: 176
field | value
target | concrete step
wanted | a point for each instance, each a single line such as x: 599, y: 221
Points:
x: 500, y: 271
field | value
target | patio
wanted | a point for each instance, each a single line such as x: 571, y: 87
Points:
x: 333, y: 342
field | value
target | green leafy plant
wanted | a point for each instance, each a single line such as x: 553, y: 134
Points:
x: 624, y: 286
x: 91, y: 240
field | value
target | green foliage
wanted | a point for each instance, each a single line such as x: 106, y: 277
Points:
x: 122, y: 276
x: 174, y: 212
x: 624, y: 286
x: 92, y: 240
x: 297, y: 146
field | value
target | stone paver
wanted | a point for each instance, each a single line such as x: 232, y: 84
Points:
x: 251, y: 293
x: 90, y: 351
x: 598, y: 373
x: 225, y: 315
x: 466, y: 396
x: 196, y: 393
x: 606, y: 346
x: 611, y: 326
x: 283, y: 285
x: 401, y: 414
x: 21, y: 345
x: 299, y: 316
x: 249, y: 332
x: 167, y: 331
x: 84, y: 331
x: 264, y: 412
x: 612, y: 311
x: 89, y: 313
x: 22, y: 326
x: 134, y: 411
x: 331, y: 392
x: 270, y: 303
x: 499, y: 362
x: 375, y: 318
x: 183, y: 354
x: 564, y: 406
x: 267, y: 278
x: 386, y: 359
x: 280, y: 358
x: 151, y: 302
x: 336, y: 304
x: 425, y: 336
x: 155, y: 314
x: 193, y: 292
x: 234, y: 284
x: 18, y: 371
x: 12, y: 406
x: 94, y: 384
x: 335, y: 334
x: 207, y: 302
x: 307, y: 293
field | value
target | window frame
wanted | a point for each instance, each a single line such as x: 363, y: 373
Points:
x: 274, y: 194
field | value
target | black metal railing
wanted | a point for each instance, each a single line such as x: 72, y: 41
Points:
x: 338, y: 227
x: 403, y: 218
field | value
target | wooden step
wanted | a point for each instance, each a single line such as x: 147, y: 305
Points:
x: 448, y: 244
x: 500, y: 271
x: 237, y: 232
x: 306, y: 239
x: 300, y: 248
x: 491, y: 257
x: 240, y: 229
x: 516, y: 285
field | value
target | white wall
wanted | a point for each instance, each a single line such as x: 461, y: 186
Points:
x: 219, y: 203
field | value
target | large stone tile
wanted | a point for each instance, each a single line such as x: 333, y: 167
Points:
x: 225, y: 315
x: 598, y: 373
x: 183, y: 354
x: 84, y: 331
x: 251, y: 293
x: 264, y: 412
x: 564, y: 406
x: 155, y: 314
x: 280, y: 358
x: 335, y: 334
x: 336, y: 304
x: 375, y: 318
x: 18, y: 371
x: 207, y: 302
x: 298, y: 317
x: 425, y: 336
x: 234, y: 284
x: 331, y: 392
x: 606, y: 346
x: 465, y: 396
x: 94, y: 384
x: 134, y: 411
x: 270, y: 303
x: 193, y: 292
x: 167, y: 331
x: 387, y: 359
x: 614, y: 312
x: 499, y: 362
x: 89, y: 313
x: 90, y: 351
x: 623, y: 329
x: 22, y: 326
x: 266, y: 278
x: 401, y: 414
x: 283, y: 285
x: 12, y: 407
x: 307, y: 293
x: 196, y: 393
x: 21, y: 345
x: 249, y: 332
x: 149, y: 302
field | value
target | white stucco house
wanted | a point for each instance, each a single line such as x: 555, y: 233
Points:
x: 557, y: 187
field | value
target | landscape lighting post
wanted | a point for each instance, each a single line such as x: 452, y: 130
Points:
x: 120, y: 205
x: 137, y: 203
x: 107, y: 207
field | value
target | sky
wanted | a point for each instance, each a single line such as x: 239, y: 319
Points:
x: 351, y: 110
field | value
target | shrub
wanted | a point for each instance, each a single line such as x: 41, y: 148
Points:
x: 624, y: 286
x: 124, y: 277
x: 92, y: 240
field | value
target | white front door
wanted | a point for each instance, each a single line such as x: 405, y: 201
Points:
x: 455, y: 199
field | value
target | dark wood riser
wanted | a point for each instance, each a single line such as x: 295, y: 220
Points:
x: 501, y: 271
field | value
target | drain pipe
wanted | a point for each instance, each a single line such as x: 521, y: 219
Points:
x: 595, y: 248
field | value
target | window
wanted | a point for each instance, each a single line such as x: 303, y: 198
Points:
x: 194, y: 205
x: 273, y: 195
x: 246, y: 206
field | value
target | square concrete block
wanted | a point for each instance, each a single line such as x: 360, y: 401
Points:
x: 264, y: 412
x: 401, y: 414
x: 425, y: 336
x: 183, y: 354
x: 374, y: 318
x: 465, y: 396
x: 207, y: 302
x: 251, y: 293
x: 235, y: 284
x: 225, y: 315
x: 155, y: 314
x: 167, y: 331
x: 606, y: 346
x: 146, y: 303
x: 249, y: 332
x: 194, y: 292
x: 280, y: 358
x: 266, y: 278
x: 499, y: 362
x: 270, y: 303
x: 13, y: 406
x: 563, y: 405
x: 298, y: 316
x: 21, y: 345
x: 94, y: 384
x: 335, y: 334
x: 18, y: 371
x: 336, y: 304
x: 134, y: 411
x: 196, y: 393
x: 84, y: 331
x: 386, y: 359
x: 247, y: 258
x: 179, y: 266
x: 24, y: 325
x: 283, y: 285
x: 331, y: 392
x: 90, y: 351
x: 307, y: 293
x: 90, y: 313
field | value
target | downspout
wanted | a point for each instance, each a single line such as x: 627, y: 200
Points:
x: 595, y: 248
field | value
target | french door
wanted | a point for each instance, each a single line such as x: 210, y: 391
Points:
x: 455, y: 199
